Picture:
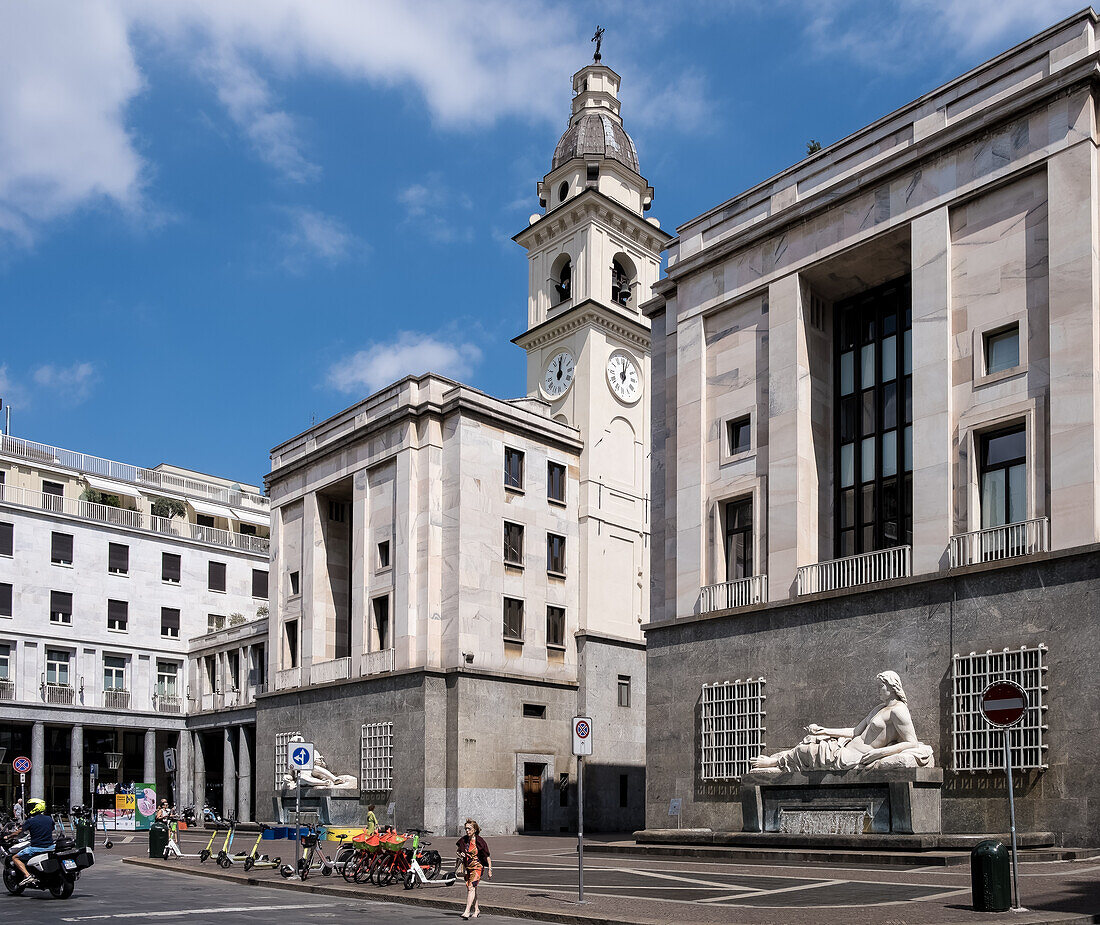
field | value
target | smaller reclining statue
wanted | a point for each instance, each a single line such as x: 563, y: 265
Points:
x: 320, y: 776
x: 884, y: 739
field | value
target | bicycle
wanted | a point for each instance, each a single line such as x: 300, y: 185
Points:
x: 314, y: 858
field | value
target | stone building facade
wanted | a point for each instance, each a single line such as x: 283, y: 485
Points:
x: 457, y: 575
x: 877, y: 445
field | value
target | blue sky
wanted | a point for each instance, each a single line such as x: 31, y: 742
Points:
x: 222, y: 220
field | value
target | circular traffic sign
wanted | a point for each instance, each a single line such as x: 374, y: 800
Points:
x: 583, y: 729
x: 1004, y: 703
x: 301, y: 756
x: 22, y: 765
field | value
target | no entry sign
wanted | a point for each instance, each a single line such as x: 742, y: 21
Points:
x: 1004, y: 703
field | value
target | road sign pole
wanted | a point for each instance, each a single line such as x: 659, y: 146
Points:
x: 1012, y: 822
x: 580, y: 828
x: 297, y: 820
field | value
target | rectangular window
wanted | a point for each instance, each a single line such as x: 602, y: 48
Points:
x: 118, y: 559
x: 384, y: 554
x: 114, y: 673
x: 57, y: 666
x: 61, y: 608
x: 534, y: 711
x: 61, y: 549
x: 216, y: 576
x: 513, y: 469
x: 233, y: 665
x: 624, y: 690
x: 1003, y: 477
x: 376, y: 757
x: 555, y: 627
x: 7, y: 539
x: 555, y: 482
x: 732, y: 727
x: 975, y: 746
x: 118, y: 616
x: 337, y: 511
x: 294, y: 589
x: 282, y: 744
x: 246, y: 529
x: 259, y: 583
x: 5, y: 661
x: 380, y: 607
x: 738, y: 436
x: 292, y: 643
x: 513, y: 544
x: 513, y: 619
x: 167, y: 679
x: 53, y: 494
x: 1002, y: 349
x: 739, y: 562
x: 555, y: 554
x: 624, y: 791
x: 170, y: 567
x: 5, y: 600
x: 169, y: 623
x: 205, y: 520
x: 215, y: 622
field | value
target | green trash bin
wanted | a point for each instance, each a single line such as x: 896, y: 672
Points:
x: 84, y: 833
x: 158, y: 839
x: 989, y: 877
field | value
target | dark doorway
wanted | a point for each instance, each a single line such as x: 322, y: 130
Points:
x: 532, y: 796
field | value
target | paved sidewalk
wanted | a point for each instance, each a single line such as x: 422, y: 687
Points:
x: 535, y: 877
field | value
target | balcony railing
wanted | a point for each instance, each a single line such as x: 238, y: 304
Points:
x: 123, y: 472
x: 335, y: 670
x: 124, y: 517
x: 116, y: 699
x: 58, y: 693
x: 288, y: 677
x: 7, y: 690
x: 728, y: 595
x: 377, y: 662
x: 1005, y: 542
x: 851, y: 571
x: 211, y: 701
x: 168, y: 703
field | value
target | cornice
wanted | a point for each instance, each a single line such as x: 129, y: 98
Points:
x: 587, y: 313
x: 591, y: 204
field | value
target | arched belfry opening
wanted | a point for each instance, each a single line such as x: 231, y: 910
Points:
x: 561, y: 280
x: 624, y: 276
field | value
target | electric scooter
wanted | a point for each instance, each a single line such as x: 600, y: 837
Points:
x: 205, y: 853
x: 225, y: 859
x: 257, y: 860
x: 172, y: 850
x: 416, y: 876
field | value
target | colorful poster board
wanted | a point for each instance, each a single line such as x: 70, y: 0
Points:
x: 145, y: 797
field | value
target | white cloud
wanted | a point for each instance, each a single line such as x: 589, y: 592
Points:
x: 74, y: 382
x: 13, y: 393
x: 430, y: 208
x: 315, y: 236
x: 410, y: 353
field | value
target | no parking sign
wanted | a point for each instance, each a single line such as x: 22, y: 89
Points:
x: 582, y: 735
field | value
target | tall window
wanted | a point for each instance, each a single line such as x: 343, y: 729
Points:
x: 513, y: 544
x: 118, y: 558
x: 555, y: 554
x: 216, y: 576
x: 513, y: 469
x: 291, y: 630
x: 555, y: 482
x: 7, y: 539
x: 513, y: 619
x: 118, y: 616
x: 555, y: 627
x: 167, y: 679
x: 61, y: 549
x: 169, y: 623
x: 259, y: 583
x: 5, y: 600
x: 61, y: 607
x: 114, y: 673
x: 57, y: 666
x: 1004, y: 477
x: 739, y: 539
x: 873, y: 418
x: 170, y: 567
x: 5, y: 661
x: 624, y: 690
x: 381, y: 612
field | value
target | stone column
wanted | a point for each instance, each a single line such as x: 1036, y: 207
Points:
x: 37, y: 783
x: 933, y: 509
x: 1074, y: 312
x: 76, y: 766
x: 244, y: 776
x: 690, y: 450
x: 313, y: 623
x: 792, y: 465
x: 150, y: 756
x: 185, y: 771
x: 199, y: 758
x: 363, y: 553
x: 229, y: 773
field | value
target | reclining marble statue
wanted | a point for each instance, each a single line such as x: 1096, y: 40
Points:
x: 885, y: 738
x: 320, y: 776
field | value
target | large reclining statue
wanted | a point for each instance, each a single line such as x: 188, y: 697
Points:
x: 320, y: 776
x: 884, y: 739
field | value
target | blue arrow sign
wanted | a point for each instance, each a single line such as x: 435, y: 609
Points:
x: 301, y: 757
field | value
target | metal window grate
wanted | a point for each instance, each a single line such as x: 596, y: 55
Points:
x: 377, y: 757
x: 733, y: 727
x: 977, y: 745
x: 282, y: 741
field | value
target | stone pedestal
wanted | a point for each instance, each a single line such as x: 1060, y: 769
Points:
x: 332, y: 807
x: 904, y: 801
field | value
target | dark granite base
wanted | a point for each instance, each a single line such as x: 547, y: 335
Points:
x: 333, y: 807
x: 870, y: 842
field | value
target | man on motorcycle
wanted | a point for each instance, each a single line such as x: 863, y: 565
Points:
x: 40, y: 827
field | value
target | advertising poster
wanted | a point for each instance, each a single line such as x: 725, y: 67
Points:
x: 145, y: 796
x: 125, y: 808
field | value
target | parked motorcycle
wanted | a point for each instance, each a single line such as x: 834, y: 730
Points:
x: 56, y: 870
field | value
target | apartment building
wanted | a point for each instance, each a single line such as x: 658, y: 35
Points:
x: 876, y: 444
x: 109, y: 575
x: 455, y: 576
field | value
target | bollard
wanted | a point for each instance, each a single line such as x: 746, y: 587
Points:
x: 989, y: 877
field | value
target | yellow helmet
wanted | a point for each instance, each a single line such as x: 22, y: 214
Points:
x: 36, y: 806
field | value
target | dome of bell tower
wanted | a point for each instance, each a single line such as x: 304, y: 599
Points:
x: 595, y: 126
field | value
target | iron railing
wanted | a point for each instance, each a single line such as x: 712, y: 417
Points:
x: 729, y: 595
x: 168, y: 703
x: 116, y: 699
x: 58, y: 693
x: 7, y: 689
x: 851, y: 571
x: 1004, y: 542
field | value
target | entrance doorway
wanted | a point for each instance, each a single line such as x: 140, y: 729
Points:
x: 532, y: 796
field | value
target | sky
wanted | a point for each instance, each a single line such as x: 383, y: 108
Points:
x: 222, y: 221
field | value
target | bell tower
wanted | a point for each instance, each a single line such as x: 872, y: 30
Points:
x: 593, y: 256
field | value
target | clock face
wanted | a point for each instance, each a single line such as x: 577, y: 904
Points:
x: 624, y: 376
x: 559, y: 375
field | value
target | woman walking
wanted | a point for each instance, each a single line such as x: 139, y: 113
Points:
x: 473, y: 852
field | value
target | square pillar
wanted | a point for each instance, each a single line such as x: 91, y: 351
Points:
x: 200, y: 776
x: 933, y: 513
x: 150, y: 757
x: 76, y: 766
x: 690, y: 449
x: 244, y: 776
x: 229, y: 773
x: 185, y: 771
x: 37, y: 781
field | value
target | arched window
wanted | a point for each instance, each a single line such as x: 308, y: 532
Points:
x: 623, y: 275
x: 563, y: 191
x: 561, y: 278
